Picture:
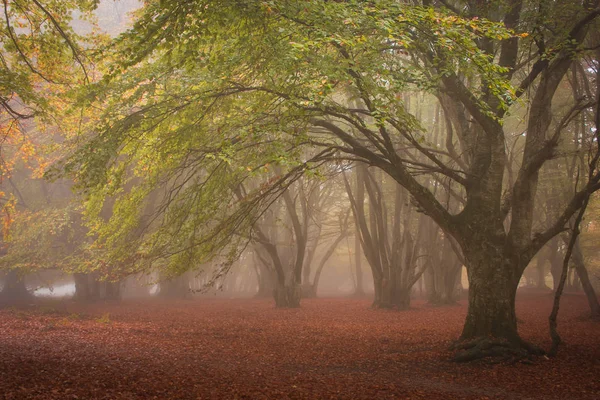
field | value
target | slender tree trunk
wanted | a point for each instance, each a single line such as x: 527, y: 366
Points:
x: 431, y: 278
x: 264, y: 275
x: 449, y: 290
x: 359, y: 290
x: 541, y: 270
x: 555, y: 272
x: 328, y: 253
x: 576, y: 285
x: 265, y: 285
x: 570, y: 286
x: 584, y: 278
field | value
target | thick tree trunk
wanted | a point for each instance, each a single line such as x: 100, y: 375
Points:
x: 287, y: 296
x: 390, y: 295
x: 491, y: 308
x: 490, y: 329
x: 88, y: 288
x: 14, y: 290
x: 401, y: 298
x: 176, y: 287
x: 112, y: 291
x: 309, y: 291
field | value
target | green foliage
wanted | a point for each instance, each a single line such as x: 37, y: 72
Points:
x: 203, y: 96
x: 49, y: 238
x: 39, y: 49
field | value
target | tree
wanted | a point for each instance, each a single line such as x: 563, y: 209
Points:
x: 391, y: 237
x: 201, y: 81
x: 40, y: 60
x: 287, y: 236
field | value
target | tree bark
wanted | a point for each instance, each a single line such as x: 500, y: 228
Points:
x: 541, y: 269
x: 264, y: 275
x: 448, y: 295
x: 175, y: 287
x: 358, y: 290
x: 14, y: 290
x: 584, y: 278
x: 491, y: 305
x: 555, y: 263
x: 490, y: 329
x: 85, y: 287
x: 89, y: 289
x: 287, y: 296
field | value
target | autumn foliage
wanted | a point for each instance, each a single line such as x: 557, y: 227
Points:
x: 247, y: 349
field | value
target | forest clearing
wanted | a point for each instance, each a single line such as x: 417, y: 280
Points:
x: 335, y: 348
x: 312, y: 199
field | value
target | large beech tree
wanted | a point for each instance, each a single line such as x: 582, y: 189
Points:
x: 222, y: 88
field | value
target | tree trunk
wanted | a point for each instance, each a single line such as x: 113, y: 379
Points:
x: 86, y: 287
x: 555, y: 263
x: 584, y: 278
x: 490, y: 328
x: 378, y: 287
x: 176, y: 287
x: 401, y: 298
x: 358, y: 290
x: 309, y: 290
x: 448, y: 295
x: 389, y: 294
x: 112, y: 291
x: 541, y: 270
x: 14, y: 290
x: 287, y: 296
x: 491, y: 308
x: 576, y: 286
x: 430, y: 277
x: 264, y: 276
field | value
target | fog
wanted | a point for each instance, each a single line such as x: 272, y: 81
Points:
x: 299, y: 200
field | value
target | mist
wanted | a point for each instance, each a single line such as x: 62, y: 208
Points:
x: 299, y: 200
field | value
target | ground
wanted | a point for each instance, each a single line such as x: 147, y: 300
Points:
x: 246, y: 349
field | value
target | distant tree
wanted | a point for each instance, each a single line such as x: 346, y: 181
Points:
x: 391, y: 236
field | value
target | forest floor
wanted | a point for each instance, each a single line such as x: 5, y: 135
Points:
x: 246, y: 349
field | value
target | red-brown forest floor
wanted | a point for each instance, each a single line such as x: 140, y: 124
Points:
x: 247, y: 349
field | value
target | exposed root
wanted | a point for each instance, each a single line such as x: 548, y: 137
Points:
x: 496, y: 351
